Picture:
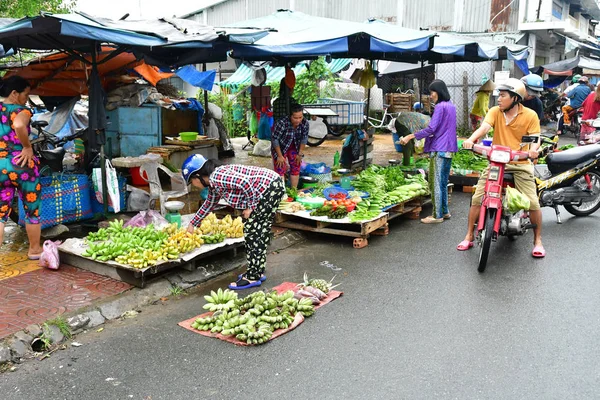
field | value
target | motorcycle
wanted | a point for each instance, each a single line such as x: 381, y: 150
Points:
x: 575, y: 116
x: 569, y: 178
x: 552, y: 106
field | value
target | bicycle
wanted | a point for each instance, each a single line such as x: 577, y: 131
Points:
x: 385, y: 121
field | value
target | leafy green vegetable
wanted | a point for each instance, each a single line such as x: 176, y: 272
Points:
x: 318, y: 192
x: 567, y: 147
x: 466, y: 159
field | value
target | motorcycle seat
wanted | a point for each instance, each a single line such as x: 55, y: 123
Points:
x: 564, y: 160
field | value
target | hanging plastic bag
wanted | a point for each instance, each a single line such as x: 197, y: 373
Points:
x: 253, y: 124
x: 515, y: 200
x: 112, y: 183
x: 212, y: 131
x: 264, y: 127
x: 50, y: 258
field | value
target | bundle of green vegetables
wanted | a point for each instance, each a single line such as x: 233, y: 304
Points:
x: 466, y: 159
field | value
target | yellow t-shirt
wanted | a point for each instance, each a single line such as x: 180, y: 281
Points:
x: 525, y: 123
x: 481, y: 104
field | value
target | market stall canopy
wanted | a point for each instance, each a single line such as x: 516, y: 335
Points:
x: 243, y: 75
x: 566, y: 67
x: 387, y: 41
x: 298, y: 36
x: 165, y: 41
x: 62, y: 74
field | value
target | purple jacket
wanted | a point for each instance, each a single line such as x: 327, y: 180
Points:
x: 440, y: 135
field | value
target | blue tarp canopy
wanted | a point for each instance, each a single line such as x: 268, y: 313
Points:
x: 295, y: 35
x: 387, y: 39
x: 243, y: 75
x: 165, y: 41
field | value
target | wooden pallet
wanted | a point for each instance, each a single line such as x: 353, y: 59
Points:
x: 360, y: 230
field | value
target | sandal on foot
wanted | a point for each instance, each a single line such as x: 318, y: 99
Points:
x: 447, y: 216
x: 539, y: 252
x: 34, y: 256
x: 464, y: 245
x: 262, y: 277
x: 431, y: 220
x: 242, y: 284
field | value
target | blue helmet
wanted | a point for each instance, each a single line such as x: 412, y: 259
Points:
x: 192, y: 165
x: 417, y: 106
x: 533, y: 82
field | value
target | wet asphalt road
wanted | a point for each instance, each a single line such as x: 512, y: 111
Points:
x: 416, y: 322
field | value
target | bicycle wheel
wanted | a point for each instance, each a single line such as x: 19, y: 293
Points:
x: 486, y: 241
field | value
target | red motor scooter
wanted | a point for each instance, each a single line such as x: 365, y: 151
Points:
x: 494, y: 219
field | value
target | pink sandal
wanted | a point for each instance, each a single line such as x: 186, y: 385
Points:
x: 539, y: 252
x: 464, y: 245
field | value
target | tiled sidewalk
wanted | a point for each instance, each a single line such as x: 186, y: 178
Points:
x: 30, y: 294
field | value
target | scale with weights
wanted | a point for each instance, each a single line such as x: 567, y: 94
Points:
x: 173, y: 215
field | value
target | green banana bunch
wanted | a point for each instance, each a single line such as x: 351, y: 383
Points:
x: 220, y: 300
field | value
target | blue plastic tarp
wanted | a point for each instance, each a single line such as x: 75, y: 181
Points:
x: 296, y: 35
x: 204, y: 80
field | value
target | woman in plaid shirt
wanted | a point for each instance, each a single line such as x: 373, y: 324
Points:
x: 257, y: 191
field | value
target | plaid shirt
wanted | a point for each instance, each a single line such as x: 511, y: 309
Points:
x: 284, y: 135
x: 240, y: 186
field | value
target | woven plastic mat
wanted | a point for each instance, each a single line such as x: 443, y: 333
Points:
x: 298, y: 318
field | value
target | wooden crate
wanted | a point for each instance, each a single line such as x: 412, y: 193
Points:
x: 360, y: 230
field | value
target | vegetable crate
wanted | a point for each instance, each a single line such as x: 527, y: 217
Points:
x: 349, y: 112
x: 359, y: 230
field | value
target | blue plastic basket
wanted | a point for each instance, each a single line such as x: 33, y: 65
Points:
x: 327, y: 192
x: 65, y: 198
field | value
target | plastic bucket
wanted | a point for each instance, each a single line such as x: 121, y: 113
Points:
x: 136, y: 177
x: 396, y: 145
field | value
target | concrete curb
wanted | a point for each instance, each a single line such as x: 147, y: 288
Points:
x: 15, y: 349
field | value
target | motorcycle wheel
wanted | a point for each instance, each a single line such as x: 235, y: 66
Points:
x: 314, y: 142
x: 486, y: 241
x: 589, y: 207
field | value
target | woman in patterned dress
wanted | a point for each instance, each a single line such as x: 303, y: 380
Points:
x: 19, y: 168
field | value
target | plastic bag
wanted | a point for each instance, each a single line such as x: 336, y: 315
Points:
x: 112, y: 183
x: 262, y: 149
x: 264, y: 127
x: 212, y: 131
x: 317, y: 168
x: 253, y: 123
x: 515, y: 200
x: 145, y: 218
x: 138, y: 199
x: 50, y: 258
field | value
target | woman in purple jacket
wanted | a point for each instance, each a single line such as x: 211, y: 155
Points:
x: 440, y: 143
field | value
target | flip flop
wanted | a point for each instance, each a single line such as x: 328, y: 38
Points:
x: 464, y: 245
x: 447, y: 216
x: 242, y: 284
x: 538, y: 252
x: 431, y: 220
x: 262, y: 278
x: 35, y: 257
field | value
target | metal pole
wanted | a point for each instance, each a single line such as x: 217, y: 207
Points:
x: 102, y: 155
x: 421, y: 82
x: 365, y: 143
x: 205, y: 92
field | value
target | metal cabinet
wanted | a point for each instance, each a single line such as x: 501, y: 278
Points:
x: 133, y: 130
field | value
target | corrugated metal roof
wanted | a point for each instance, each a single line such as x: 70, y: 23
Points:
x: 350, y: 10
x: 243, y: 75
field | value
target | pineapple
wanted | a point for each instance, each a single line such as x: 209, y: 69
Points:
x: 320, y: 284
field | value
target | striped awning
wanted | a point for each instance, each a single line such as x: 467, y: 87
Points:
x: 243, y: 75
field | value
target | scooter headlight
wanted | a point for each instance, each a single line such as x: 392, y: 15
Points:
x: 500, y: 156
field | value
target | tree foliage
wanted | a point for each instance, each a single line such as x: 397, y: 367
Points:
x: 31, y: 8
x: 307, y: 83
